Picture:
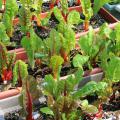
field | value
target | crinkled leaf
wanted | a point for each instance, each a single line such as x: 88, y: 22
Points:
x: 55, y: 63
x: 80, y: 60
x: 19, y: 71
x: 73, y: 18
x: 88, y: 45
x: 90, y: 88
x: 113, y: 69
x: 47, y: 111
x: 87, y: 9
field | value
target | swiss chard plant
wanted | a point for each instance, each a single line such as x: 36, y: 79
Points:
x: 3, y: 36
x: 30, y: 92
x: 63, y: 99
x: 31, y: 42
x: 67, y: 35
x: 19, y: 72
x: 50, y: 55
x: 6, y: 62
x: 11, y: 9
x: 87, y: 11
x: 94, y: 45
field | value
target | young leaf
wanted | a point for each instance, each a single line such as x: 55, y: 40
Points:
x: 49, y: 85
x: 89, y: 88
x: 113, y: 69
x: 90, y: 109
x: 73, y: 18
x: 80, y: 60
x: 47, y: 111
x: 11, y: 8
x: 88, y: 45
x: 3, y: 36
x: 58, y: 15
x: 19, y: 72
x: 53, y: 43
x: 55, y: 63
x: 87, y: 9
x: 64, y: 5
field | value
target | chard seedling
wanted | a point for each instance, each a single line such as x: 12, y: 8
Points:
x: 67, y: 35
x: 51, y: 52
x: 30, y: 92
x: 63, y: 99
x: 31, y: 42
x: 96, y: 46
x: 87, y: 11
x: 19, y: 72
x: 11, y: 9
x: 3, y: 36
x: 6, y: 62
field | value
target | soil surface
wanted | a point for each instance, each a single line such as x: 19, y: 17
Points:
x: 96, y: 21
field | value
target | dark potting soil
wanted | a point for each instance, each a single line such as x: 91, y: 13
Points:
x: 43, y: 32
x: 45, y: 7
x: 96, y: 21
x: 16, y: 38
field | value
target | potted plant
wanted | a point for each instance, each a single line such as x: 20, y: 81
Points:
x: 8, y: 75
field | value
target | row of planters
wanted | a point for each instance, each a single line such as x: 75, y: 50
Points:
x: 58, y: 62
x: 45, y: 19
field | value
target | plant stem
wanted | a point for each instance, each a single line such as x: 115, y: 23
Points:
x: 86, y: 25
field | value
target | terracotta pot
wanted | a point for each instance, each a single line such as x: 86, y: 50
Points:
x: 9, y: 93
x: 20, y: 54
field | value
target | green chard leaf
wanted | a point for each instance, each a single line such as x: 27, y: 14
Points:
x: 90, y: 88
x: 55, y: 63
x: 73, y: 18
x: 113, y: 69
x: 87, y: 44
x: 80, y: 60
x: 47, y: 111
x: 58, y: 15
x: 20, y: 71
x: 87, y: 9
